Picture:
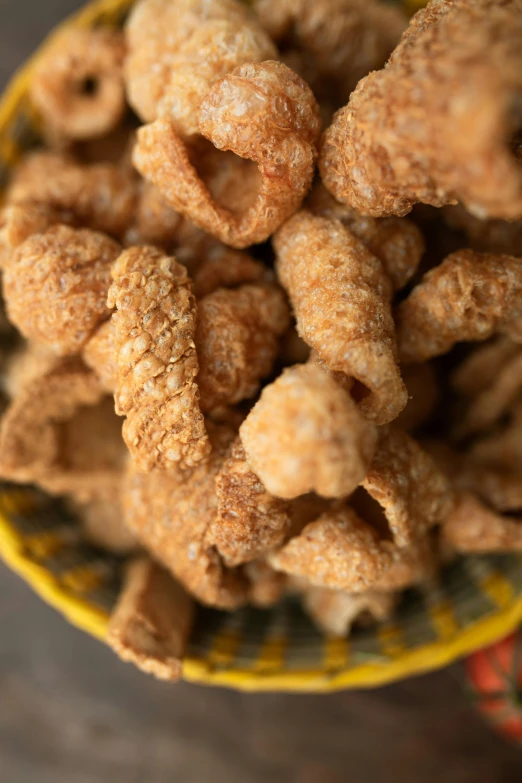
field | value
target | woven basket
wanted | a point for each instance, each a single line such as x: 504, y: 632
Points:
x: 477, y: 600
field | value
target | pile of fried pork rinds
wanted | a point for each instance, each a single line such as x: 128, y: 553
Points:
x: 318, y: 395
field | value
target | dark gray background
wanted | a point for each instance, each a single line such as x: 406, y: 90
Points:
x: 71, y: 713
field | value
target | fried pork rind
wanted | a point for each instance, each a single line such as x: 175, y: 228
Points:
x: 335, y: 611
x: 18, y: 222
x: 472, y: 527
x: 155, y: 325
x: 264, y: 113
x: 224, y: 267
x: 99, y: 196
x: 341, y: 298
x: 438, y: 124
x: 250, y: 521
x: 152, y: 620
x: 406, y: 482
x: 77, y: 86
x: 237, y: 341
x: 397, y: 242
x: 267, y: 586
x: 423, y: 394
x: 177, y: 51
x: 171, y: 511
x: 490, y: 236
x: 306, y: 434
x: 155, y: 223
x: 339, y: 41
x: 102, y: 524
x: 469, y: 296
x: 55, y: 286
x: 101, y: 355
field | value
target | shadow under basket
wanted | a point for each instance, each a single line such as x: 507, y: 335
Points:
x: 477, y: 599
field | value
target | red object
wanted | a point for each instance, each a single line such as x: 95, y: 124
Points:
x: 495, y: 674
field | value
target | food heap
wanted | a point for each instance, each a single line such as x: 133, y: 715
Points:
x: 241, y: 361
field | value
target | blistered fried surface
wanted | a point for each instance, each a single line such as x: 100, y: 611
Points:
x: 267, y: 587
x: 405, y: 481
x: 469, y: 296
x: 237, y: 341
x: 55, y: 286
x: 435, y: 125
x: 77, y: 85
x: 335, y: 611
x: 99, y: 196
x: 261, y: 112
x: 397, y: 242
x: 170, y: 513
x: 250, y: 521
x: 490, y: 236
x: 155, y: 324
x: 340, y: 40
x: 306, y: 434
x: 341, y: 299
x: 151, y: 622
x: 423, y: 394
x: 473, y: 527
x: 176, y: 52
x: 101, y: 355
x: 224, y: 267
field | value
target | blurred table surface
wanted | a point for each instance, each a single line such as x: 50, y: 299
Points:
x: 70, y: 712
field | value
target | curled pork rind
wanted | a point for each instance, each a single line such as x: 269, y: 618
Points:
x: 397, y: 242
x: 155, y: 325
x: 264, y: 113
x: 490, y: 236
x: 250, y: 521
x: 77, y: 86
x: 435, y: 125
x: 335, y: 611
x: 406, y: 482
x: 470, y: 296
x: 473, y: 527
x: 306, y: 434
x: 55, y: 286
x: 341, y: 298
x: 177, y: 51
x: 170, y: 513
x: 152, y: 620
x: 338, y: 40
x: 99, y: 196
x: 237, y: 341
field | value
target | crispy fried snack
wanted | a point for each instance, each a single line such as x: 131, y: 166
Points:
x: 100, y: 196
x: 439, y: 122
x: 267, y: 586
x: 397, y: 242
x: 237, y: 341
x: 77, y: 86
x: 405, y: 481
x: 335, y: 611
x: 18, y: 222
x: 152, y: 620
x: 468, y: 297
x: 339, y: 40
x: 223, y: 267
x: 489, y: 236
x: 277, y: 128
x: 250, y: 521
x: 410, y: 565
x: 155, y: 326
x: 55, y: 286
x: 423, y: 395
x: 102, y: 524
x: 155, y: 223
x: 473, y: 527
x: 170, y: 513
x: 341, y: 299
x: 101, y: 355
x: 177, y: 51
x: 306, y: 434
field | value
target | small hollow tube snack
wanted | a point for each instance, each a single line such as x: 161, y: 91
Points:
x: 489, y: 236
x: 77, y: 86
x: 439, y: 123
x: 100, y: 196
x: 335, y: 611
x: 237, y: 341
x: 170, y: 512
x: 55, y: 286
x: 341, y: 299
x: 267, y: 587
x: 262, y: 112
x: 306, y: 434
x: 472, y: 527
x: 249, y: 521
x: 406, y: 482
x: 339, y: 40
x: 470, y: 296
x: 155, y: 326
x: 151, y: 622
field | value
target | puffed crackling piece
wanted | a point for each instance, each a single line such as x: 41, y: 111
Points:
x: 470, y: 296
x: 341, y: 298
x: 155, y: 324
x: 474, y: 528
x: 306, y: 434
x: 261, y: 112
x: 439, y: 123
x: 152, y: 620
